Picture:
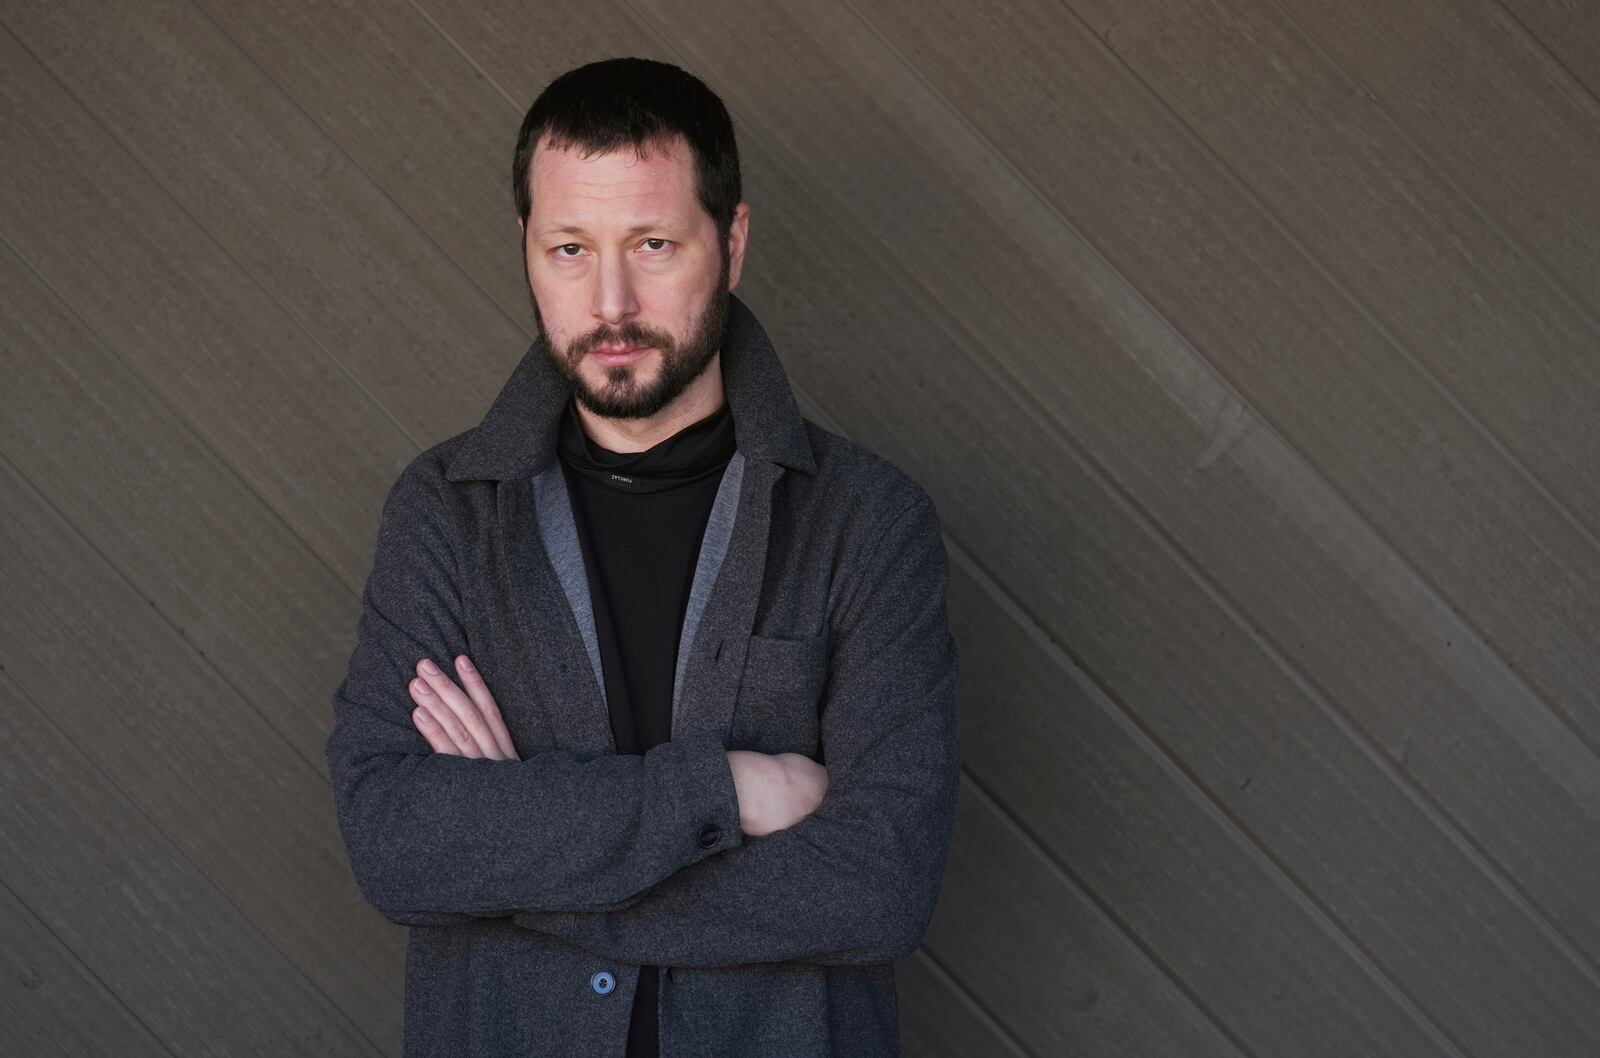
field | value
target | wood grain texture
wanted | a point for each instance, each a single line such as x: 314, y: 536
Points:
x: 1568, y: 32
x: 51, y: 1005
x: 145, y: 274
x: 105, y: 627
x: 937, y: 1020
x: 1246, y: 347
x: 1494, y: 112
x: 130, y: 905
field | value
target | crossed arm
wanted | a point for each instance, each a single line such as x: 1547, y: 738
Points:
x: 774, y: 791
x: 439, y: 837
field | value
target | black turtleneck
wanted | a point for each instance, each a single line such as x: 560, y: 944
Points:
x: 641, y: 516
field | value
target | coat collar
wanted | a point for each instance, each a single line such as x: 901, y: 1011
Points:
x: 518, y: 435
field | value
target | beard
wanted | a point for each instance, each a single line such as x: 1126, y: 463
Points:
x: 623, y: 396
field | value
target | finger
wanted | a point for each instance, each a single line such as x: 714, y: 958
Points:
x: 458, y: 714
x: 467, y: 712
x: 478, y: 691
x: 457, y: 739
x: 424, y: 722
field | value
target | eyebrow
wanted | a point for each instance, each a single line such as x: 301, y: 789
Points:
x: 573, y: 229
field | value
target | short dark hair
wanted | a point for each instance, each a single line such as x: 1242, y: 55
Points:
x: 614, y: 103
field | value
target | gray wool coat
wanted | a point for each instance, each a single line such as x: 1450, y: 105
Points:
x: 534, y: 888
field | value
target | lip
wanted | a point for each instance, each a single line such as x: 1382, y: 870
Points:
x: 613, y: 358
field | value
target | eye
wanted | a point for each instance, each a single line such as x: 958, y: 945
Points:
x: 558, y: 250
x: 664, y: 243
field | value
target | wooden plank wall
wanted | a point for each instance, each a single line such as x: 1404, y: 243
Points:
x: 1248, y: 348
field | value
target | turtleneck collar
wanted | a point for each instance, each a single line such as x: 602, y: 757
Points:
x: 695, y: 454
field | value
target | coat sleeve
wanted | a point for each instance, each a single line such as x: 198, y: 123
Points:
x: 855, y: 881
x: 437, y: 839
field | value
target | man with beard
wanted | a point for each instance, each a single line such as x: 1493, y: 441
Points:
x: 717, y: 630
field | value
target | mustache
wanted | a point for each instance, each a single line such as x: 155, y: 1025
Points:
x: 627, y: 336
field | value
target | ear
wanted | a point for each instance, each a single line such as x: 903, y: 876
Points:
x: 738, y: 239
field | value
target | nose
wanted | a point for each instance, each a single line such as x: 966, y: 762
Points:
x: 614, y: 300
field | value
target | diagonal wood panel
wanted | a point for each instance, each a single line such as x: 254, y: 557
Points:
x: 245, y: 507
x: 1270, y: 104
x: 337, y: 256
x: 53, y: 1005
x: 127, y: 902
x: 1501, y: 118
x: 938, y: 1021
x: 1302, y: 354
x: 1058, y: 972
x: 1278, y: 720
x: 1569, y: 32
x: 104, y: 491
x: 1450, y: 290
x: 191, y: 320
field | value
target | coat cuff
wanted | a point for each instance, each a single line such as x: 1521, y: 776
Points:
x: 708, y: 802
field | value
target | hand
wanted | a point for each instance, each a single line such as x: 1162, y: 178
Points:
x: 776, y: 790
x: 461, y: 724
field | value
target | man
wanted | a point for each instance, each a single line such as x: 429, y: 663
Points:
x: 650, y: 732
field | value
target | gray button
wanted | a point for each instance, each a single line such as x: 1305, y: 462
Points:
x: 709, y: 835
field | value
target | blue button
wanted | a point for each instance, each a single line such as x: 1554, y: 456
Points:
x: 603, y: 982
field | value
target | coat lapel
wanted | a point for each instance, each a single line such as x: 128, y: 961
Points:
x: 713, y: 551
x: 731, y: 586
x: 555, y: 619
x: 558, y: 530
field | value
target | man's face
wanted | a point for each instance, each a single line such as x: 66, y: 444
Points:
x: 618, y: 253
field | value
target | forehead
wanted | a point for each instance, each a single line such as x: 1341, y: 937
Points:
x: 614, y: 189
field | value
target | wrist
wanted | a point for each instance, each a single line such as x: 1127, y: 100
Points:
x: 750, y: 784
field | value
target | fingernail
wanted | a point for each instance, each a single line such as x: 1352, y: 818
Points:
x: 423, y: 688
x: 425, y: 718
x: 466, y: 666
x: 429, y: 667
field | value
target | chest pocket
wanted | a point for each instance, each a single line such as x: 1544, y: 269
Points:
x: 780, y: 694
